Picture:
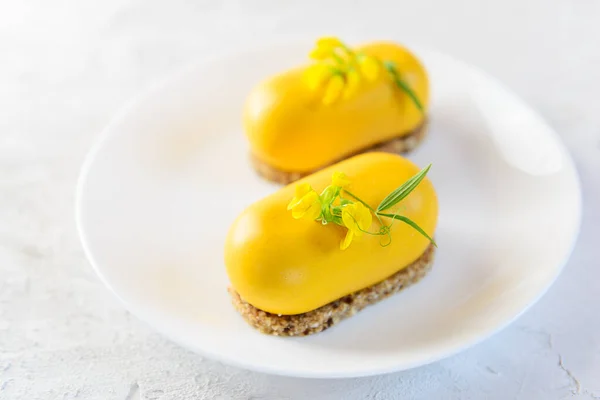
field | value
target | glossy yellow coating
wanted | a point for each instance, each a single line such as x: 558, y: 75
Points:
x: 287, y: 266
x: 290, y: 129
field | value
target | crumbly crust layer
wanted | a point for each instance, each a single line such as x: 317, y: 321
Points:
x: 330, y: 314
x: 399, y: 145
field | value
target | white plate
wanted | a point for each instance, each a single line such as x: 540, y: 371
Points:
x: 160, y: 188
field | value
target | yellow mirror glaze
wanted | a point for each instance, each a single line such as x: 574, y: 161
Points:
x: 290, y: 129
x: 287, y: 266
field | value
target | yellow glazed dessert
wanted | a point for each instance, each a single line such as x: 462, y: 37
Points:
x: 316, y: 252
x: 347, y: 101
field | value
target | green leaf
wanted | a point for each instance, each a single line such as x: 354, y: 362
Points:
x: 410, y: 222
x: 404, y: 190
x: 391, y: 67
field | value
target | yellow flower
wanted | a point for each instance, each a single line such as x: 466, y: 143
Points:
x: 357, y: 218
x: 369, y: 67
x: 352, y: 83
x: 324, y: 48
x: 329, y: 42
x: 306, y: 203
x: 316, y: 75
x: 319, y: 53
x: 334, y: 89
x: 340, y: 179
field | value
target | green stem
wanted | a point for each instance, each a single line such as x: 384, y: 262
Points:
x: 411, y: 223
x: 391, y: 67
x: 367, y: 232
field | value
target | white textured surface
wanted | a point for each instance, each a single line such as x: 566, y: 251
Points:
x: 66, y: 67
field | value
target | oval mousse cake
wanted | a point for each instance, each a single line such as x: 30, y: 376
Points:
x: 350, y: 100
x: 318, y: 251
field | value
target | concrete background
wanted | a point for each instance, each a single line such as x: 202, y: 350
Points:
x: 67, y: 66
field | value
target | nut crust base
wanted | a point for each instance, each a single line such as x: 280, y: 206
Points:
x: 332, y: 313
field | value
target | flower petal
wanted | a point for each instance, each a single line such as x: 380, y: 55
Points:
x: 333, y: 90
x: 369, y: 67
x: 303, y: 189
x: 329, y: 42
x: 364, y: 217
x: 293, y: 203
x: 309, y: 206
x: 320, y: 53
x: 357, y: 218
x: 314, y: 211
x: 347, y: 217
x: 352, y: 83
x: 340, y: 179
x: 347, y: 240
x: 316, y: 75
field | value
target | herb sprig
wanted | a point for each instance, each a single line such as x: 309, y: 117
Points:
x: 339, y: 70
x: 337, y: 205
